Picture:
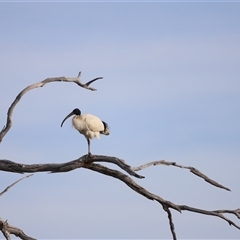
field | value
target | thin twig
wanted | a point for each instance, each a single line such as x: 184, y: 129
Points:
x: 216, y: 213
x: 7, y: 188
x: 192, y: 170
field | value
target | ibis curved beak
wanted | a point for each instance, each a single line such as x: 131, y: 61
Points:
x: 69, y: 115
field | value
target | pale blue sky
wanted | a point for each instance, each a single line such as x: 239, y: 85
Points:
x: 171, y: 90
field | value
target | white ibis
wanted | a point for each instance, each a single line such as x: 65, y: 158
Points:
x: 88, y: 125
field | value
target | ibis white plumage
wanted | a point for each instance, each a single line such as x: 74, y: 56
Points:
x: 88, y: 125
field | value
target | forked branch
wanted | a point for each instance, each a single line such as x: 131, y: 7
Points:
x: 8, y: 229
x: 88, y: 162
x: 76, y: 80
x: 165, y: 204
x: 192, y: 170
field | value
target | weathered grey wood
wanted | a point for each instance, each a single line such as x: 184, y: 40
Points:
x: 76, y: 80
x: 192, y: 170
x: 165, y: 204
x: 88, y: 162
x: 216, y: 213
x: 8, y: 229
x: 10, y: 166
x: 7, y: 188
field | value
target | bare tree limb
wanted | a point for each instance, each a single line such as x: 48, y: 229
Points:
x: 216, y: 213
x: 235, y: 212
x: 130, y: 182
x: 165, y: 204
x: 171, y: 223
x: 8, y: 229
x: 88, y: 163
x: 7, y: 188
x: 192, y: 170
x: 37, y: 85
x: 9, y: 166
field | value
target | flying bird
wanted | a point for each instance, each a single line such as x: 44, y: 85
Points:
x: 88, y: 125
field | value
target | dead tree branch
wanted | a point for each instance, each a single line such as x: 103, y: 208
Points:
x: 7, y: 188
x: 9, y: 166
x: 76, y: 80
x: 88, y: 163
x: 171, y: 224
x: 8, y: 229
x: 166, y: 204
x: 216, y: 213
x: 192, y: 170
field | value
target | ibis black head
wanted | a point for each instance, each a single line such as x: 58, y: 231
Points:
x: 76, y: 111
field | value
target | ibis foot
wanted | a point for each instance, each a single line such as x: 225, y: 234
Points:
x: 89, y: 155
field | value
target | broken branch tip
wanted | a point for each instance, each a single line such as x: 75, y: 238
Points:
x: 79, y: 74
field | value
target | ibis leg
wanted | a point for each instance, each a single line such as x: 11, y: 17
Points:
x: 88, y: 141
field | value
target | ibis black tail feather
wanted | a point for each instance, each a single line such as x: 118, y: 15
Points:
x: 106, y: 130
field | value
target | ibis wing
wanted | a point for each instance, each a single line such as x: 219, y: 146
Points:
x: 94, y: 124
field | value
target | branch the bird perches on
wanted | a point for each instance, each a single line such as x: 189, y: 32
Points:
x: 88, y: 162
